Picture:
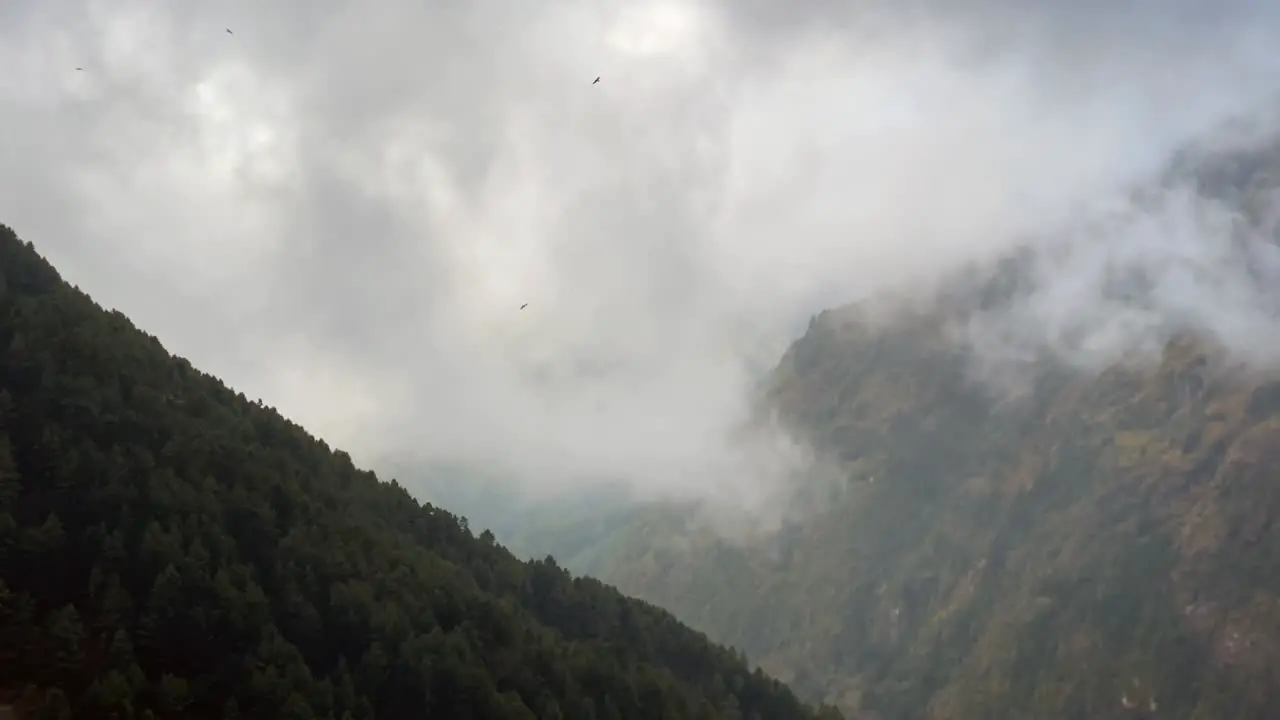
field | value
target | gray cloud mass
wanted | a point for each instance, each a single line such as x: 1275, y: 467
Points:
x: 341, y: 207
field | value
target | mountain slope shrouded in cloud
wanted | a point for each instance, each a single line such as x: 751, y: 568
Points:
x: 418, y: 229
x: 1035, y: 516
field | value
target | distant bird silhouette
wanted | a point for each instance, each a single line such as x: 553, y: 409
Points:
x: 524, y: 306
x: 593, y: 82
x: 229, y: 32
x: 80, y: 69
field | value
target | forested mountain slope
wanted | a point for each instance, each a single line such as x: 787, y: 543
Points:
x: 171, y: 549
x: 1101, y: 544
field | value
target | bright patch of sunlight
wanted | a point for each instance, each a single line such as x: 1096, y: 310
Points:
x: 660, y: 28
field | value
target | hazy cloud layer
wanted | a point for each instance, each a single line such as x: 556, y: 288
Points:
x: 341, y: 206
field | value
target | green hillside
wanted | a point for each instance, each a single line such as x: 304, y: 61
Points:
x: 171, y: 549
x: 1099, y: 545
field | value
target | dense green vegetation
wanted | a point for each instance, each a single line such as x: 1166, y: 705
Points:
x: 170, y: 549
x: 1101, y: 544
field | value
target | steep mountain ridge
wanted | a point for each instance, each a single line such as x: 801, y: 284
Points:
x: 170, y: 549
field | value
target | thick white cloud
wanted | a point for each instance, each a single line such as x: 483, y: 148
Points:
x: 341, y: 206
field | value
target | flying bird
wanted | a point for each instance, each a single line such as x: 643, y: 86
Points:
x: 229, y: 32
x: 593, y: 82
x: 524, y: 306
x: 80, y: 69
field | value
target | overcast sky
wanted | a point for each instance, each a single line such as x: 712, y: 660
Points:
x: 341, y: 206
